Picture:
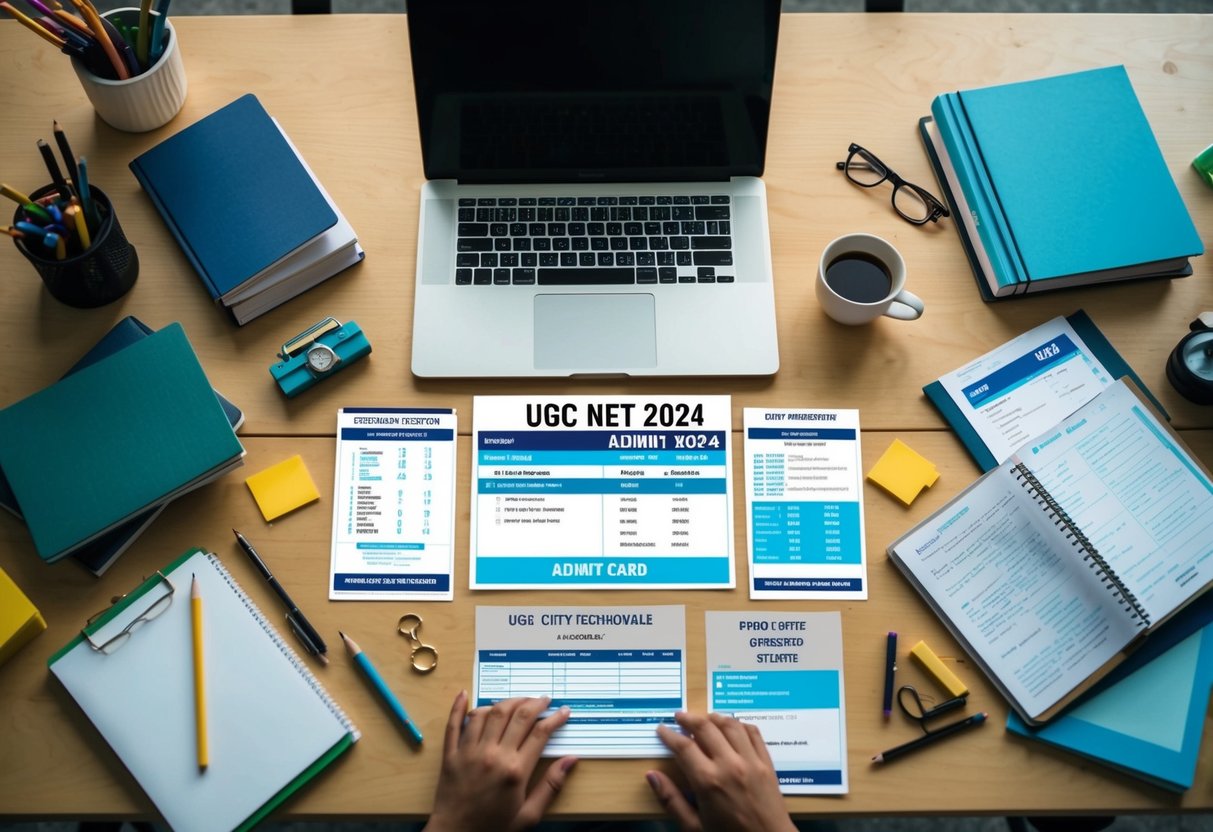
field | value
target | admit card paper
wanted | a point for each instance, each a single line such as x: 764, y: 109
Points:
x: 601, y: 492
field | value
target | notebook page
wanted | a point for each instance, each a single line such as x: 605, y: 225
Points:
x: 266, y: 723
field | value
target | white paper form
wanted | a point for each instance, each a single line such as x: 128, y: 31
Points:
x: 783, y: 673
x: 621, y: 670
x: 600, y: 492
x: 394, y: 504
x: 804, y: 504
x: 1027, y: 385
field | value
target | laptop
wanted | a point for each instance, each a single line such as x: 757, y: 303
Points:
x: 592, y: 205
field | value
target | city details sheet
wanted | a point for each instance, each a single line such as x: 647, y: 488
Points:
x: 599, y: 492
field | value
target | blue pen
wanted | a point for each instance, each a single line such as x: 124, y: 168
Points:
x: 368, y: 670
x: 30, y: 228
x: 56, y: 214
x: 157, y: 45
x: 86, y: 196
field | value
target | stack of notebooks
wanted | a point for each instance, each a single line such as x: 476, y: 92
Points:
x: 248, y: 212
x: 112, y: 440
x: 99, y: 554
x: 1058, y: 182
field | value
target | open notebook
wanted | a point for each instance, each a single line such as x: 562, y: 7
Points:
x: 271, y: 725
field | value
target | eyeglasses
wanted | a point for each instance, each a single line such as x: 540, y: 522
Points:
x: 913, y: 203
x: 162, y: 600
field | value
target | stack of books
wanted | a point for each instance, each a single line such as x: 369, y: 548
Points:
x: 99, y: 554
x: 114, y: 440
x: 248, y: 212
x: 1058, y: 182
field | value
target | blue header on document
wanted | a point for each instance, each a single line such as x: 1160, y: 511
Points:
x: 1022, y: 370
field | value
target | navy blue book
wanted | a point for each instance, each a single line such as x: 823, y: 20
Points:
x: 98, y: 555
x: 248, y: 213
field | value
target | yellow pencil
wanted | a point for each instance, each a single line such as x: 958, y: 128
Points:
x: 199, y: 682
x: 77, y: 216
x: 34, y: 26
x: 15, y: 195
x: 60, y: 248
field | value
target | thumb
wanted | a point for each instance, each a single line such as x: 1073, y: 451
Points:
x: 545, y: 791
x: 672, y: 800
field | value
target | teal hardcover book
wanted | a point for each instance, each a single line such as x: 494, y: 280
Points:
x: 111, y: 440
x: 1069, y: 166
x: 1148, y: 718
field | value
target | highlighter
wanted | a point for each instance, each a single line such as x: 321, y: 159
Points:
x: 931, y: 663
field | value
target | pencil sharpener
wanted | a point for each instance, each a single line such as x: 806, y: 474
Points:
x: 1190, y: 364
x: 318, y: 352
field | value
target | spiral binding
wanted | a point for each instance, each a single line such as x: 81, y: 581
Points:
x: 281, y: 644
x: 1107, y: 575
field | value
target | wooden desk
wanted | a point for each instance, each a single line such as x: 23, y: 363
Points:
x: 341, y: 88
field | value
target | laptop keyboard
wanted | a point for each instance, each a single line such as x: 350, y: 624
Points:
x: 587, y: 240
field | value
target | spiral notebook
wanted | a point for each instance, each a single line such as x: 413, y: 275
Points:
x: 271, y: 724
x: 1051, y: 567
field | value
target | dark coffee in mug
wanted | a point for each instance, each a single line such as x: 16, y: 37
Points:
x: 859, y: 277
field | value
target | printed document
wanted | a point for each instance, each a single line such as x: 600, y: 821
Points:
x: 621, y: 671
x: 804, y: 500
x: 393, y: 504
x: 601, y: 492
x: 783, y: 673
x: 1027, y: 385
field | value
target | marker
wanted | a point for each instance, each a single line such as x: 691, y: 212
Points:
x: 86, y: 197
x: 37, y: 211
x: 368, y: 670
x: 157, y: 45
x: 927, y: 739
x: 294, y: 616
x: 52, y: 167
x: 69, y: 159
x: 890, y: 667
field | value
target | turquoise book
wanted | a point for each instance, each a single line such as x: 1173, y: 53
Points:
x: 1148, y: 718
x: 1059, y: 182
x: 112, y: 440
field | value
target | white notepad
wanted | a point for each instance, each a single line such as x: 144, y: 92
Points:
x: 271, y: 725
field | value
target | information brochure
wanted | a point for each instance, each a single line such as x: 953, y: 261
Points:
x: 393, y: 504
x: 1027, y: 385
x: 621, y: 671
x: 600, y: 492
x: 804, y: 501
x: 783, y: 673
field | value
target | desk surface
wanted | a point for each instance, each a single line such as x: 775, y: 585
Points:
x: 839, y: 78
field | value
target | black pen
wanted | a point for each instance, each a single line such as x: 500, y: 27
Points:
x: 890, y: 667
x: 927, y: 739
x: 294, y: 616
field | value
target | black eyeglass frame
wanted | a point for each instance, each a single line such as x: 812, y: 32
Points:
x: 935, y: 207
x: 921, y: 714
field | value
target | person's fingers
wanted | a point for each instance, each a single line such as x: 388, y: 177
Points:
x: 498, y: 719
x: 672, y: 800
x: 454, y: 725
x: 473, y: 726
x: 541, y: 732
x: 735, y: 734
x: 760, y: 745
x: 523, y: 720
x: 544, y: 792
x: 707, y: 734
x: 689, y: 756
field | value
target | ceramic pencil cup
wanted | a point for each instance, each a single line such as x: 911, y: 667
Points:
x: 146, y: 100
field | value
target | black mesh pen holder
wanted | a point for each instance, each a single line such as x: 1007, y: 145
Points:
x: 100, y: 274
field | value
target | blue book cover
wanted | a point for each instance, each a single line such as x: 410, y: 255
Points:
x: 1146, y: 718
x: 98, y: 555
x: 1078, y: 175
x: 234, y: 194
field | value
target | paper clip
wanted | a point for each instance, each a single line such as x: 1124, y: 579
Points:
x: 408, y: 627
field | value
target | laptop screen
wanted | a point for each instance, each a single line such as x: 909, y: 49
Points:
x: 593, y: 90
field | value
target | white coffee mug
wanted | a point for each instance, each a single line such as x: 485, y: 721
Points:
x: 144, y: 101
x: 895, y: 303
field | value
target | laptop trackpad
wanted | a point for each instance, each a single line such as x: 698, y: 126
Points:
x: 595, y: 332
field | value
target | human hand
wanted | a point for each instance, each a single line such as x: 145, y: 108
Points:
x: 487, y: 762
x: 730, y: 772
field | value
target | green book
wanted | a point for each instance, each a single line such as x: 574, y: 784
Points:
x: 105, y: 443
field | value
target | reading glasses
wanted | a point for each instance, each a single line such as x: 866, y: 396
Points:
x: 911, y: 704
x: 162, y: 601
x: 912, y: 203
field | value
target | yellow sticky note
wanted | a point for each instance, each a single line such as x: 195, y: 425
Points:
x: 902, y: 472
x: 932, y: 664
x: 283, y: 487
x: 19, y: 619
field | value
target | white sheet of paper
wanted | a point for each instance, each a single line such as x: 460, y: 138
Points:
x: 621, y: 670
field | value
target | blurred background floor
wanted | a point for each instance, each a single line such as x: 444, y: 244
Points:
x: 1155, y: 823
